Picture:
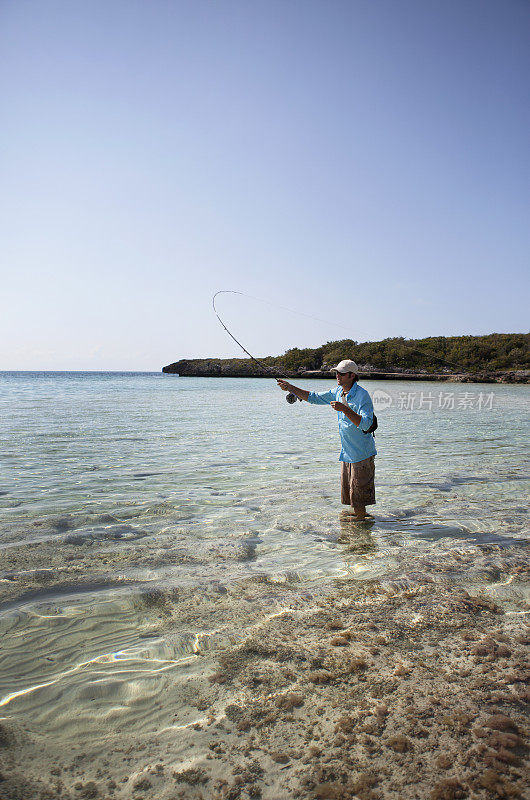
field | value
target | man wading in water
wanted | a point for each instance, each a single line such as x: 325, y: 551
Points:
x: 355, y: 413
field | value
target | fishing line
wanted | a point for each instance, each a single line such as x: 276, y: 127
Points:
x: 290, y: 310
x: 290, y: 397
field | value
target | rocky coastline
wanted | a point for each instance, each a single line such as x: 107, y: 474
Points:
x: 244, y: 368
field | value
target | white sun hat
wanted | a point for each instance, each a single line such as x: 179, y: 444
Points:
x: 346, y: 366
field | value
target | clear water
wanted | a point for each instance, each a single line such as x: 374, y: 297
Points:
x: 114, y: 483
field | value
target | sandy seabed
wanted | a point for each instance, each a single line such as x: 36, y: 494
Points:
x: 351, y: 691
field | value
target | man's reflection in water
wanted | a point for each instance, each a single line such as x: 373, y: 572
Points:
x: 356, y: 536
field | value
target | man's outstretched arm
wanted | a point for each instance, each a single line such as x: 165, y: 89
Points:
x: 303, y: 394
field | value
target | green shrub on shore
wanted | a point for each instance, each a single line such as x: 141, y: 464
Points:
x: 496, y: 351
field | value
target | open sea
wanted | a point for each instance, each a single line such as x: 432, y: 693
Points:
x: 125, y: 494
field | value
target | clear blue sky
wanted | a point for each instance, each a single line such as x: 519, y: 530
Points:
x: 365, y: 162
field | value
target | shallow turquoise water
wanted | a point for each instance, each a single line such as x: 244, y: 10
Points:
x: 228, y: 464
x: 151, y: 480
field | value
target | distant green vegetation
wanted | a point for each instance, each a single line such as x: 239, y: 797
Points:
x: 496, y: 351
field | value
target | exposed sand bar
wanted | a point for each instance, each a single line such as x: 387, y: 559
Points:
x: 273, y: 690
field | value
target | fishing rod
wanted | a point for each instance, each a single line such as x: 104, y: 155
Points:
x: 291, y: 398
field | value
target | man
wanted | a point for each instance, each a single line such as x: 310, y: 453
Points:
x: 355, y: 414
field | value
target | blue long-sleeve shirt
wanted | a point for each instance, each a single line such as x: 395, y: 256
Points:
x: 356, y: 445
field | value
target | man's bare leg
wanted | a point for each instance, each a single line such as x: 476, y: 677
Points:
x: 359, y: 512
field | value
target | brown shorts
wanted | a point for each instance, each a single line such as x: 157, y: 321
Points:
x: 357, y: 483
